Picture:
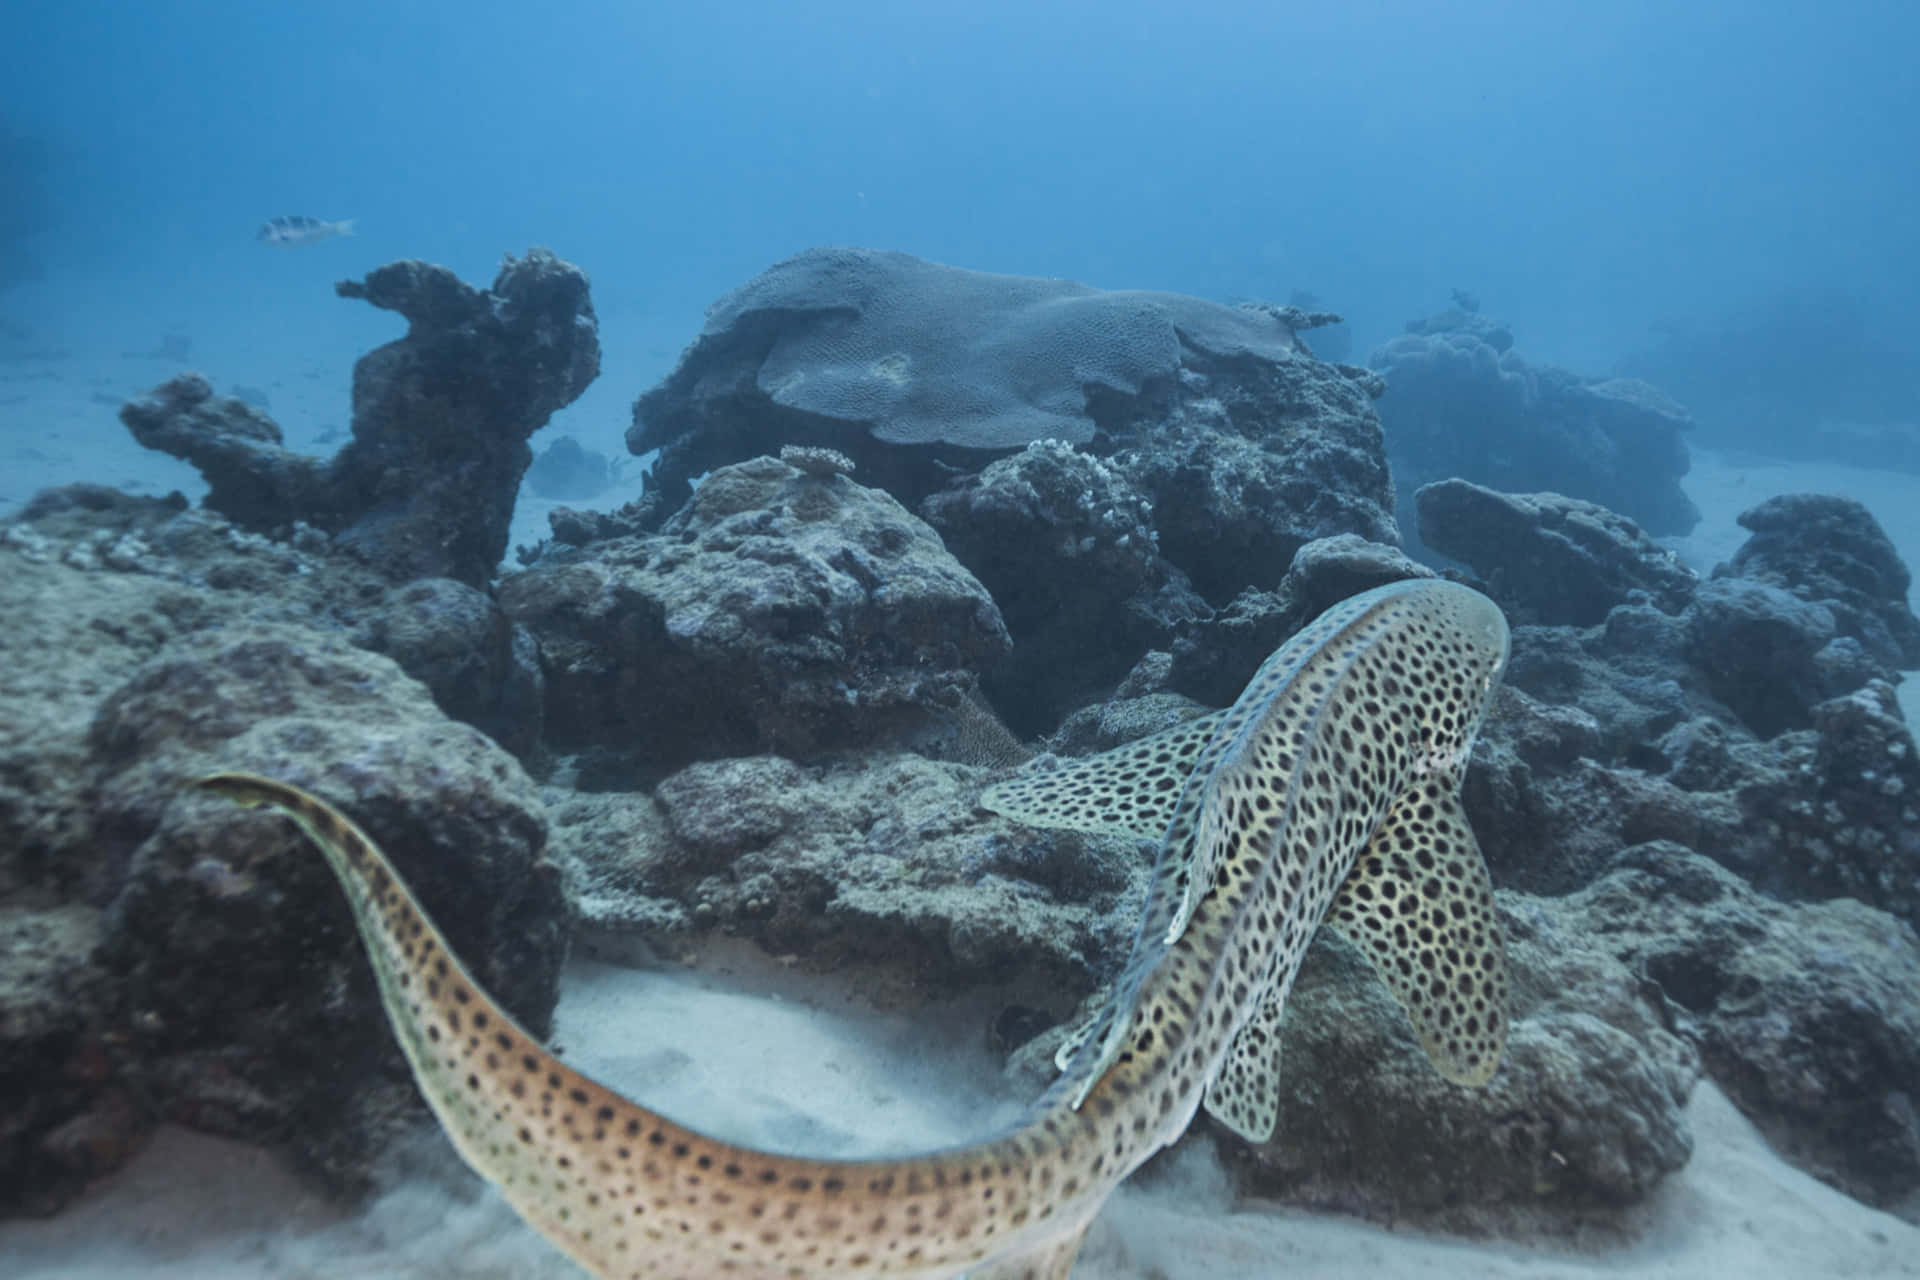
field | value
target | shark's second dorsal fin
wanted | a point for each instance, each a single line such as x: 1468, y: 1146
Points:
x: 1419, y: 904
x: 1245, y: 1096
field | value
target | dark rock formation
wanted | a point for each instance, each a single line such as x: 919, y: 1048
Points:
x: 1461, y: 404
x: 236, y: 447
x: 881, y: 860
x: 1067, y: 548
x: 776, y: 611
x: 1841, y: 803
x: 1829, y: 548
x: 441, y: 417
x: 1758, y: 647
x: 234, y: 959
x: 169, y: 957
x: 1551, y: 559
x: 1584, y: 1112
x: 481, y: 667
x: 1808, y: 1015
x: 1252, y: 463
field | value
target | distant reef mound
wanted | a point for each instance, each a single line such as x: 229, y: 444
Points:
x: 1463, y: 403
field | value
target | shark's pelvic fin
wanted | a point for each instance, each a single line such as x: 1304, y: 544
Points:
x: 1419, y: 904
x: 1245, y: 1096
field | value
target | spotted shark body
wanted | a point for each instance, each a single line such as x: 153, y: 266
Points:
x: 1329, y: 792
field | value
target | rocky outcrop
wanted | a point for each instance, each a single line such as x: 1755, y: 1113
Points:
x: 1829, y: 548
x: 1245, y: 444
x: 777, y: 611
x: 168, y: 958
x: 1807, y: 1015
x: 1583, y: 1114
x: 1213, y: 657
x: 441, y: 417
x: 481, y: 667
x: 239, y: 982
x: 879, y: 860
x: 899, y: 362
x: 1552, y: 560
x: 1759, y: 648
x: 1066, y: 545
x: 1462, y: 403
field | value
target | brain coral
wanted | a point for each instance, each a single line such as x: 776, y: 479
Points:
x: 921, y: 353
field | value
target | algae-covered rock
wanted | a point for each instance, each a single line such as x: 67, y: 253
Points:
x: 234, y: 955
x: 778, y: 611
x: 172, y: 958
x: 1552, y: 559
x: 881, y: 860
x: 1066, y: 545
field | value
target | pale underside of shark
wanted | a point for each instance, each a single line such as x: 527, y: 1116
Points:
x: 1328, y: 793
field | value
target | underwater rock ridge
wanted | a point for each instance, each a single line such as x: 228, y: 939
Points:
x: 441, y: 417
x: 920, y: 372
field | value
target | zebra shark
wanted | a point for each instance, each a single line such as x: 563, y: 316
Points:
x: 1328, y: 793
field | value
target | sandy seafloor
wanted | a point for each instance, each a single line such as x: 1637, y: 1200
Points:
x: 750, y: 1051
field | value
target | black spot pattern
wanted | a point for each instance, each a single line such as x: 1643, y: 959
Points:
x: 1354, y: 731
x: 627, y: 1193
x: 1343, y: 741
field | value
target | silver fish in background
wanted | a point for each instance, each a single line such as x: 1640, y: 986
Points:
x: 296, y: 229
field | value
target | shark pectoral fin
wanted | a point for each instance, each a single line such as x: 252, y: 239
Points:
x: 1419, y: 903
x: 1245, y: 1095
x: 1132, y: 789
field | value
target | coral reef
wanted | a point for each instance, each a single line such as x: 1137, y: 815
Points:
x: 1584, y: 1114
x: 440, y: 421
x: 1805, y: 1013
x: 1827, y: 547
x: 765, y: 707
x: 1066, y: 546
x: 1461, y: 403
x: 777, y: 610
x: 913, y: 369
x: 178, y: 960
x: 1554, y: 560
x: 1213, y: 658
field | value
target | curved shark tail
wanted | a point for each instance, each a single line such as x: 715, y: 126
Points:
x: 625, y: 1191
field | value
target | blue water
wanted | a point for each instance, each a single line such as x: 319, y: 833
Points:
x: 1589, y: 170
